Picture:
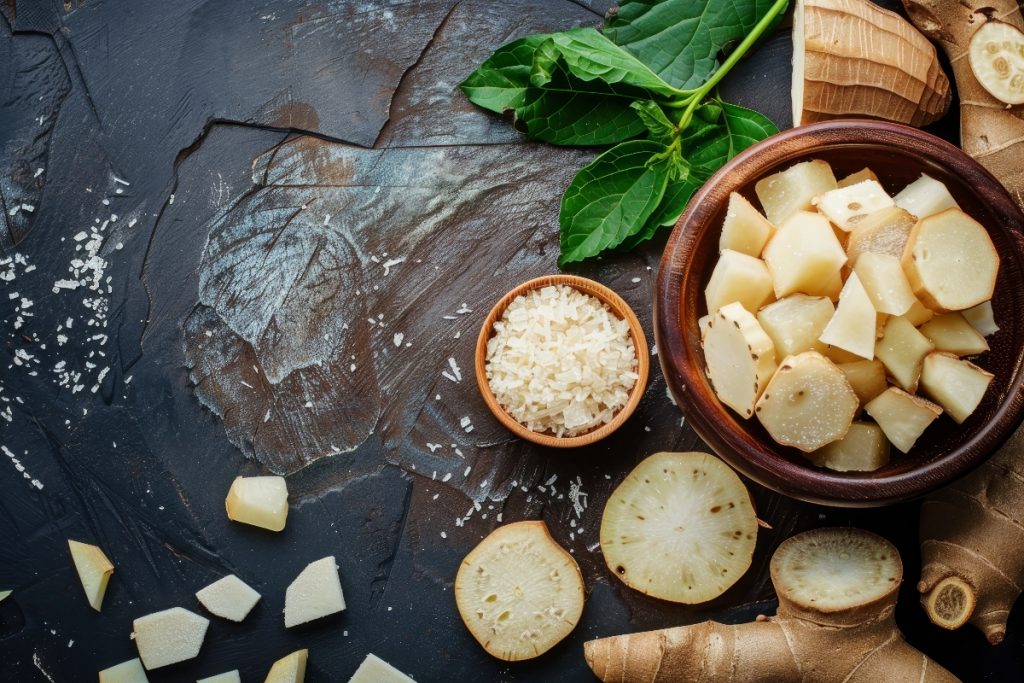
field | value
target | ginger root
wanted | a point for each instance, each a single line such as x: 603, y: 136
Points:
x: 837, y: 591
x: 970, y: 533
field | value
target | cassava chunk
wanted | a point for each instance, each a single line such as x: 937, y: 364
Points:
x: 795, y: 322
x: 951, y: 332
x: 956, y: 385
x: 125, y: 672
x: 809, y: 402
x: 902, y: 416
x: 996, y: 54
x: 259, y: 501
x: 951, y: 262
x: 315, y: 593
x: 852, y: 328
x: 860, y: 176
x: 863, y: 449
x: 838, y: 355
x: 867, y: 377
x: 94, y: 571
x: 738, y: 277
x: 924, y: 197
x: 289, y: 669
x: 376, y: 670
x: 229, y: 598
x: 902, y: 349
x: 744, y: 230
x: 919, y: 314
x: 847, y: 206
x: 227, y: 677
x: 881, y: 232
x: 168, y: 637
x: 518, y: 592
x: 803, y: 255
x: 784, y: 193
x: 884, y: 281
x: 982, y: 318
x: 681, y: 527
x: 740, y: 358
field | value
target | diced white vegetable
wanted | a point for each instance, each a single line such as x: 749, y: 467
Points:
x: 867, y: 377
x: 125, y: 672
x: 740, y: 357
x: 803, y: 255
x: 951, y: 332
x: 838, y: 355
x: 315, y: 593
x: 290, y: 669
x: 795, y: 322
x: 226, y: 677
x: 738, y: 277
x: 982, y: 318
x: 860, y: 176
x: 848, y: 206
x: 376, y: 670
x: 259, y: 501
x: 94, y: 571
x: 744, y: 230
x: 925, y: 196
x: 884, y: 281
x: 169, y: 637
x: 783, y: 194
x: 881, y: 232
x: 863, y: 449
x: 808, y: 403
x: 956, y: 385
x: 919, y: 314
x: 902, y: 349
x: 229, y: 598
x: 852, y: 328
x: 902, y: 416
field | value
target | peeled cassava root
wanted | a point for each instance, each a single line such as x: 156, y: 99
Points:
x: 851, y: 57
x: 837, y: 591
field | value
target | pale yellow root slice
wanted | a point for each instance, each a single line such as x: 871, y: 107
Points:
x: 951, y: 262
x: 867, y: 377
x: 950, y: 603
x: 809, y: 403
x: 838, y: 355
x: 803, y: 255
x: 125, y: 672
x: 902, y: 349
x: 861, y: 175
x: 744, y: 229
x: 951, y: 332
x: 919, y: 314
x: 94, y: 571
x: 227, y: 677
x: 996, y: 53
x: 784, y: 193
x: 924, y: 197
x: 738, y: 277
x: 886, y: 284
x: 680, y: 527
x: 518, y: 592
x: 795, y: 322
x: 955, y: 384
x: 982, y: 318
x: 376, y: 670
x: 863, y: 449
x: 852, y: 328
x: 229, y: 598
x: 315, y: 593
x: 289, y: 669
x: 168, y: 637
x: 259, y: 501
x: 902, y: 416
x: 740, y: 358
x: 847, y: 206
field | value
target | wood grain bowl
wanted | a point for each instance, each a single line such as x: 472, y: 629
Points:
x: 899, y: 154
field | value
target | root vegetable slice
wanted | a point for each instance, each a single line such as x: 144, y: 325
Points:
x: 838, y: 355
x: 315, y: 593
x: 169, y: 637
x: 226, y: 677
x: 808, y: 404
x: 680, y: 527
x: 289, y: 669
x: 951, y: 262
x: 982, y: 318
x: 740, y: 358
x: 860, y: 176
x: 886, y: 284
x: 950, y: 603
x: 229, y: 598
x: 259, y: 501
x: 881, y: 232
x: 518, y: 592
x: 956, y: 385
x: 738, y: 277
x: 863, y: 449
x: 867, y: 377
x: 919, y: 314
x: 94, y: 571
x: 804, y: 255
x: 744, y: 230
x: 902, y: 350
x: 376, y: 670
x: 125, y: 672
x: 847, y: 206
x: 795, y: 322
x: 852, y: 328
x: 784, y: 193
x: 902, y: 416
x: 951, y: 332
x: 996, y: 54
x: 924, y: 197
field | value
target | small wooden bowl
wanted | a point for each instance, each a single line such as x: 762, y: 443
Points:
x: 899, y: 155
x: 619, y: 307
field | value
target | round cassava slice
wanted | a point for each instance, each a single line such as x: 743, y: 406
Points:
x: 518, y: 592
x: 681, y: 527
x: 996, y: 55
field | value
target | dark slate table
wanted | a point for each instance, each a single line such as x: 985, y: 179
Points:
x: 248, y: 237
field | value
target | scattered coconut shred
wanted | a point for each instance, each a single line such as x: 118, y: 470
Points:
x: 560, y: 362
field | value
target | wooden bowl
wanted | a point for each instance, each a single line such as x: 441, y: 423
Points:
x: 621, y: 310
x: 899, y: 154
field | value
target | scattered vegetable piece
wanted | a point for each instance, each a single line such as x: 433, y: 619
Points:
x: 951, y: 332
x: 863, y: 449
x: 846, y: 206
x: 229, y: 598
x: 259, y: 501
x: 168, y: 637
x: 94, y: 571
x: 925, y: 197
x: 315, y: 593
x: 740, y: 357
x: 902, y: 350
x: 884, y: 281
x: 902, y: 416
x: 956, y: 385
x: 376, y: 670
x: 795, y: 323
x: 738, y: 277
x: 982, y: 318
x: 882, y: 232
x: 803, y: 255
x: 289, y: 669
x: 852, y: 328
x: 4, y: 594
x: 866, y: 378
x: 226, y: 677
x: 784, y: 193
x: 125, y: 672
x: 744, y: 230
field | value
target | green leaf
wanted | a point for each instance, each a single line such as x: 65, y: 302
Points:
x: 590, y: 56
x: 500, y: 83
x: 659, y: 128
x: 746, y: 127
x: 610, y: 198
x: 680, y: 40
x: 677, y: 196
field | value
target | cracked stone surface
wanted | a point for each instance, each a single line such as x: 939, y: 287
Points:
x: 262, y: 238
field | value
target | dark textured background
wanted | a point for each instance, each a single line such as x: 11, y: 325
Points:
x: 278, y: 155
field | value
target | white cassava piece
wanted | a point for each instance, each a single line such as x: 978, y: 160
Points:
x: 169, y: 637
x: 229, y: 598
x: 315, y: 593
x: 289, y: 669
x: 376, y: 670
x: 125, y: 672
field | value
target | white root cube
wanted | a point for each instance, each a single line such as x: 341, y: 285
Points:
x: 315, y: 593
x: 518, y: 592
x: 227, y: 677
x: 376, y: 670
x: 783, y: 194
x: 229, y: 598
x: 902, y: 416
x: 848, y: 206
x: 833, y: 287
x: 924, y: 197
x: 982, y: 318
x: 289, y: 669
x: 996, y: 55
x: 838, y: 355
x: 956, y: 385
x: 919, y: 314
x: 882, y: 232
x: 860, y: 176
x: 94, y: 571
x: 740, y: 357
x: 804, y: 255
x: 951, y: 332
x: 863, y: 449
x: 884, y: 281
x: 867, y: 377
x: 259, y: 501
x: 852, y: 328
x: 809, y: 403
x: 795, y: 322
x: 951, y: 262
x: 169, y: 637
x: 902, y: 349
x: 125, y: 672
x: 744, y: 230
x: 738, y: 277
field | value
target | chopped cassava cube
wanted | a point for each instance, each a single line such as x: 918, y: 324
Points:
x: 924, y: 197
x: 852, y: 328
x: 745, y: 230
x: 738, y: 277
x: 902, y: 349
x: 289, y: 669
x: 259, y: 501
x: 125, y: 672
x: 169, y: 637
x: 832, y: 287
x: 950, y: 261
x: 226, y: 677
x: 919, y: 314
x: 982, y: 318
x: 867, y: 377
x: 94, y: 571
x: 884, y: 281
x: 803, y: 255
x: 783, y: 194
x: 740, y: 358
x: 951, y: 332
x: 229, y: 598
x: 315, y: 593
x: 863, y: 449
x: 854, y: 178
x: 956, y: 385
x: 902, y: 416
x: 795, y: 322
x: 881, y: 232
x: 838, y: 355
x: 808, y: 403
x: 847, y: 206
x: 376, y: 670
